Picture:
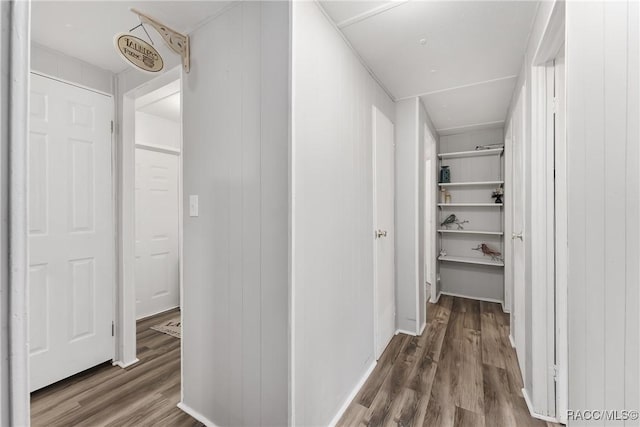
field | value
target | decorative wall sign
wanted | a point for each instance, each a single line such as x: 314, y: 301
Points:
x: 176, y: 41
x: 139, y: 53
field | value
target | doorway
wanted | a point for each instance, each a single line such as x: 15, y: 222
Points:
x: 150, y: 236
x: 383, y: 245
x: 71, y: 230
x: 157, y: 180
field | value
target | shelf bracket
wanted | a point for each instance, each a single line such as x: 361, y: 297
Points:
x: 177, y: 42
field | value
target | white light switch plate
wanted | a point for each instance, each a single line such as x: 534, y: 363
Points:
x: 193, y: 205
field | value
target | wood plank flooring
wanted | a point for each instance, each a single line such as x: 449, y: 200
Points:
x: 144, y: 394
x: 462, y: 371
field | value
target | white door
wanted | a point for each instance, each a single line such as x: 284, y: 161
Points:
x: 157, y: 259
x: 383, y: 194
x: 518, y: 206
x: 71, y: 239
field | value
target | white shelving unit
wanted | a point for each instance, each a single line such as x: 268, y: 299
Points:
x: 464, y: 269
x: 469, y: 260
x: 469, y: 184
x: 488, y: 233
x: 476, y: 205
x: 473, y: 153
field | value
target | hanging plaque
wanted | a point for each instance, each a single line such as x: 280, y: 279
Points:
x: 139, y: 53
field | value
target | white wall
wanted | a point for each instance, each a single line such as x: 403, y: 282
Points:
x: 235, y: 151
x: 332, y: 216
x: 65, y: 67
x: 157, y: 131
x: 5, y: 107
x: 603, y: 89
x: 524, y: 80
x: 411, y: 118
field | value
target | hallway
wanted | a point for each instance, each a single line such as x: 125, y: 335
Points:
x: 145, y: 394
x: 462, y: 371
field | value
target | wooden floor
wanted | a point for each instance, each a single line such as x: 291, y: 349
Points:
x: 144, y: 394
x: 462, y: 371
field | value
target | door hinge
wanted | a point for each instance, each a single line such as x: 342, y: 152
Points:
x: 555, y: 105
x: 111, y: 126
x: 113, y: 329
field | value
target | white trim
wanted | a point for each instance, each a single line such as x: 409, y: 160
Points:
x: 511, y: 341
x: 452, y: 294
x: 126, y: 365
x: 437, y: 297
x: 126, y: 319
x: 69, y: 82
x: 422, y: 328
x: 353, y: 394
x: 155, y: 313
x: 195, y: 414
x: 17, y: 84
x: 158, y: 148
x: 534, y: 414
x: 473, y: 126
x: 370, y: 13
x: 545, y: 398
x: 448, y: 89
x: 404, y: 331
x: 417, y: 220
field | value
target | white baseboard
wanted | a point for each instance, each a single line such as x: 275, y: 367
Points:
x: 124, y: 365
x: 195, y: 414
x: 402, y: 331
x: 424, y: 325
x: 468, y: 297
x: 512, y: 341
x: 164, y: 310
x: 435, y: 301
x: 532, y: 412
x: 352, y: 395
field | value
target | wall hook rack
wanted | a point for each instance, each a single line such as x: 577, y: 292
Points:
x: 176, y: 41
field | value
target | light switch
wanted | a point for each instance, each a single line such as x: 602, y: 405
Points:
x: 193, y: 205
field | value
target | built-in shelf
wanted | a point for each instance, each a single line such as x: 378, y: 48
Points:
x: 496, y: 205
x: 469, y: 260
x: 488, y: 233
x: 474, y: 153
x: 469, y: 184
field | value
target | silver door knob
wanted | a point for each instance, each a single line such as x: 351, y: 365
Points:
x: 381, y: 233
x: 515, y: 236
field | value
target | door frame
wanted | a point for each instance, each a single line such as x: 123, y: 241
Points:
x: 125, y: 331
x: 549, y: 302
x: 376, y: 326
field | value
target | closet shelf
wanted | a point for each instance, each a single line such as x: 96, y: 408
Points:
x: 488, y: 233
x: 469, y: 184
x: 497, y: 205
x: 474, y: 153
x: 469, y: 260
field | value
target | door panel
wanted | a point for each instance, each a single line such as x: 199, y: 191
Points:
x: 383, y: 148
x: 71, y: 240
x: 157, y: 226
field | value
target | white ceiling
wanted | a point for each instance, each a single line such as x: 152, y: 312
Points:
x: 465, y: 68
x: 85, y: 29
x: 167, y: 108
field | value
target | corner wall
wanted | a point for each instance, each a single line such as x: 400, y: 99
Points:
x: 603, y: 156
x: 236, y: 142
x: 410, y: 181
x: 332, y: 210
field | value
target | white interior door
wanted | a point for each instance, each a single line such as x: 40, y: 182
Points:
x: 518, y: 206
x: 384, y: 293
x: 157, y: 226
x: 71, y: 240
